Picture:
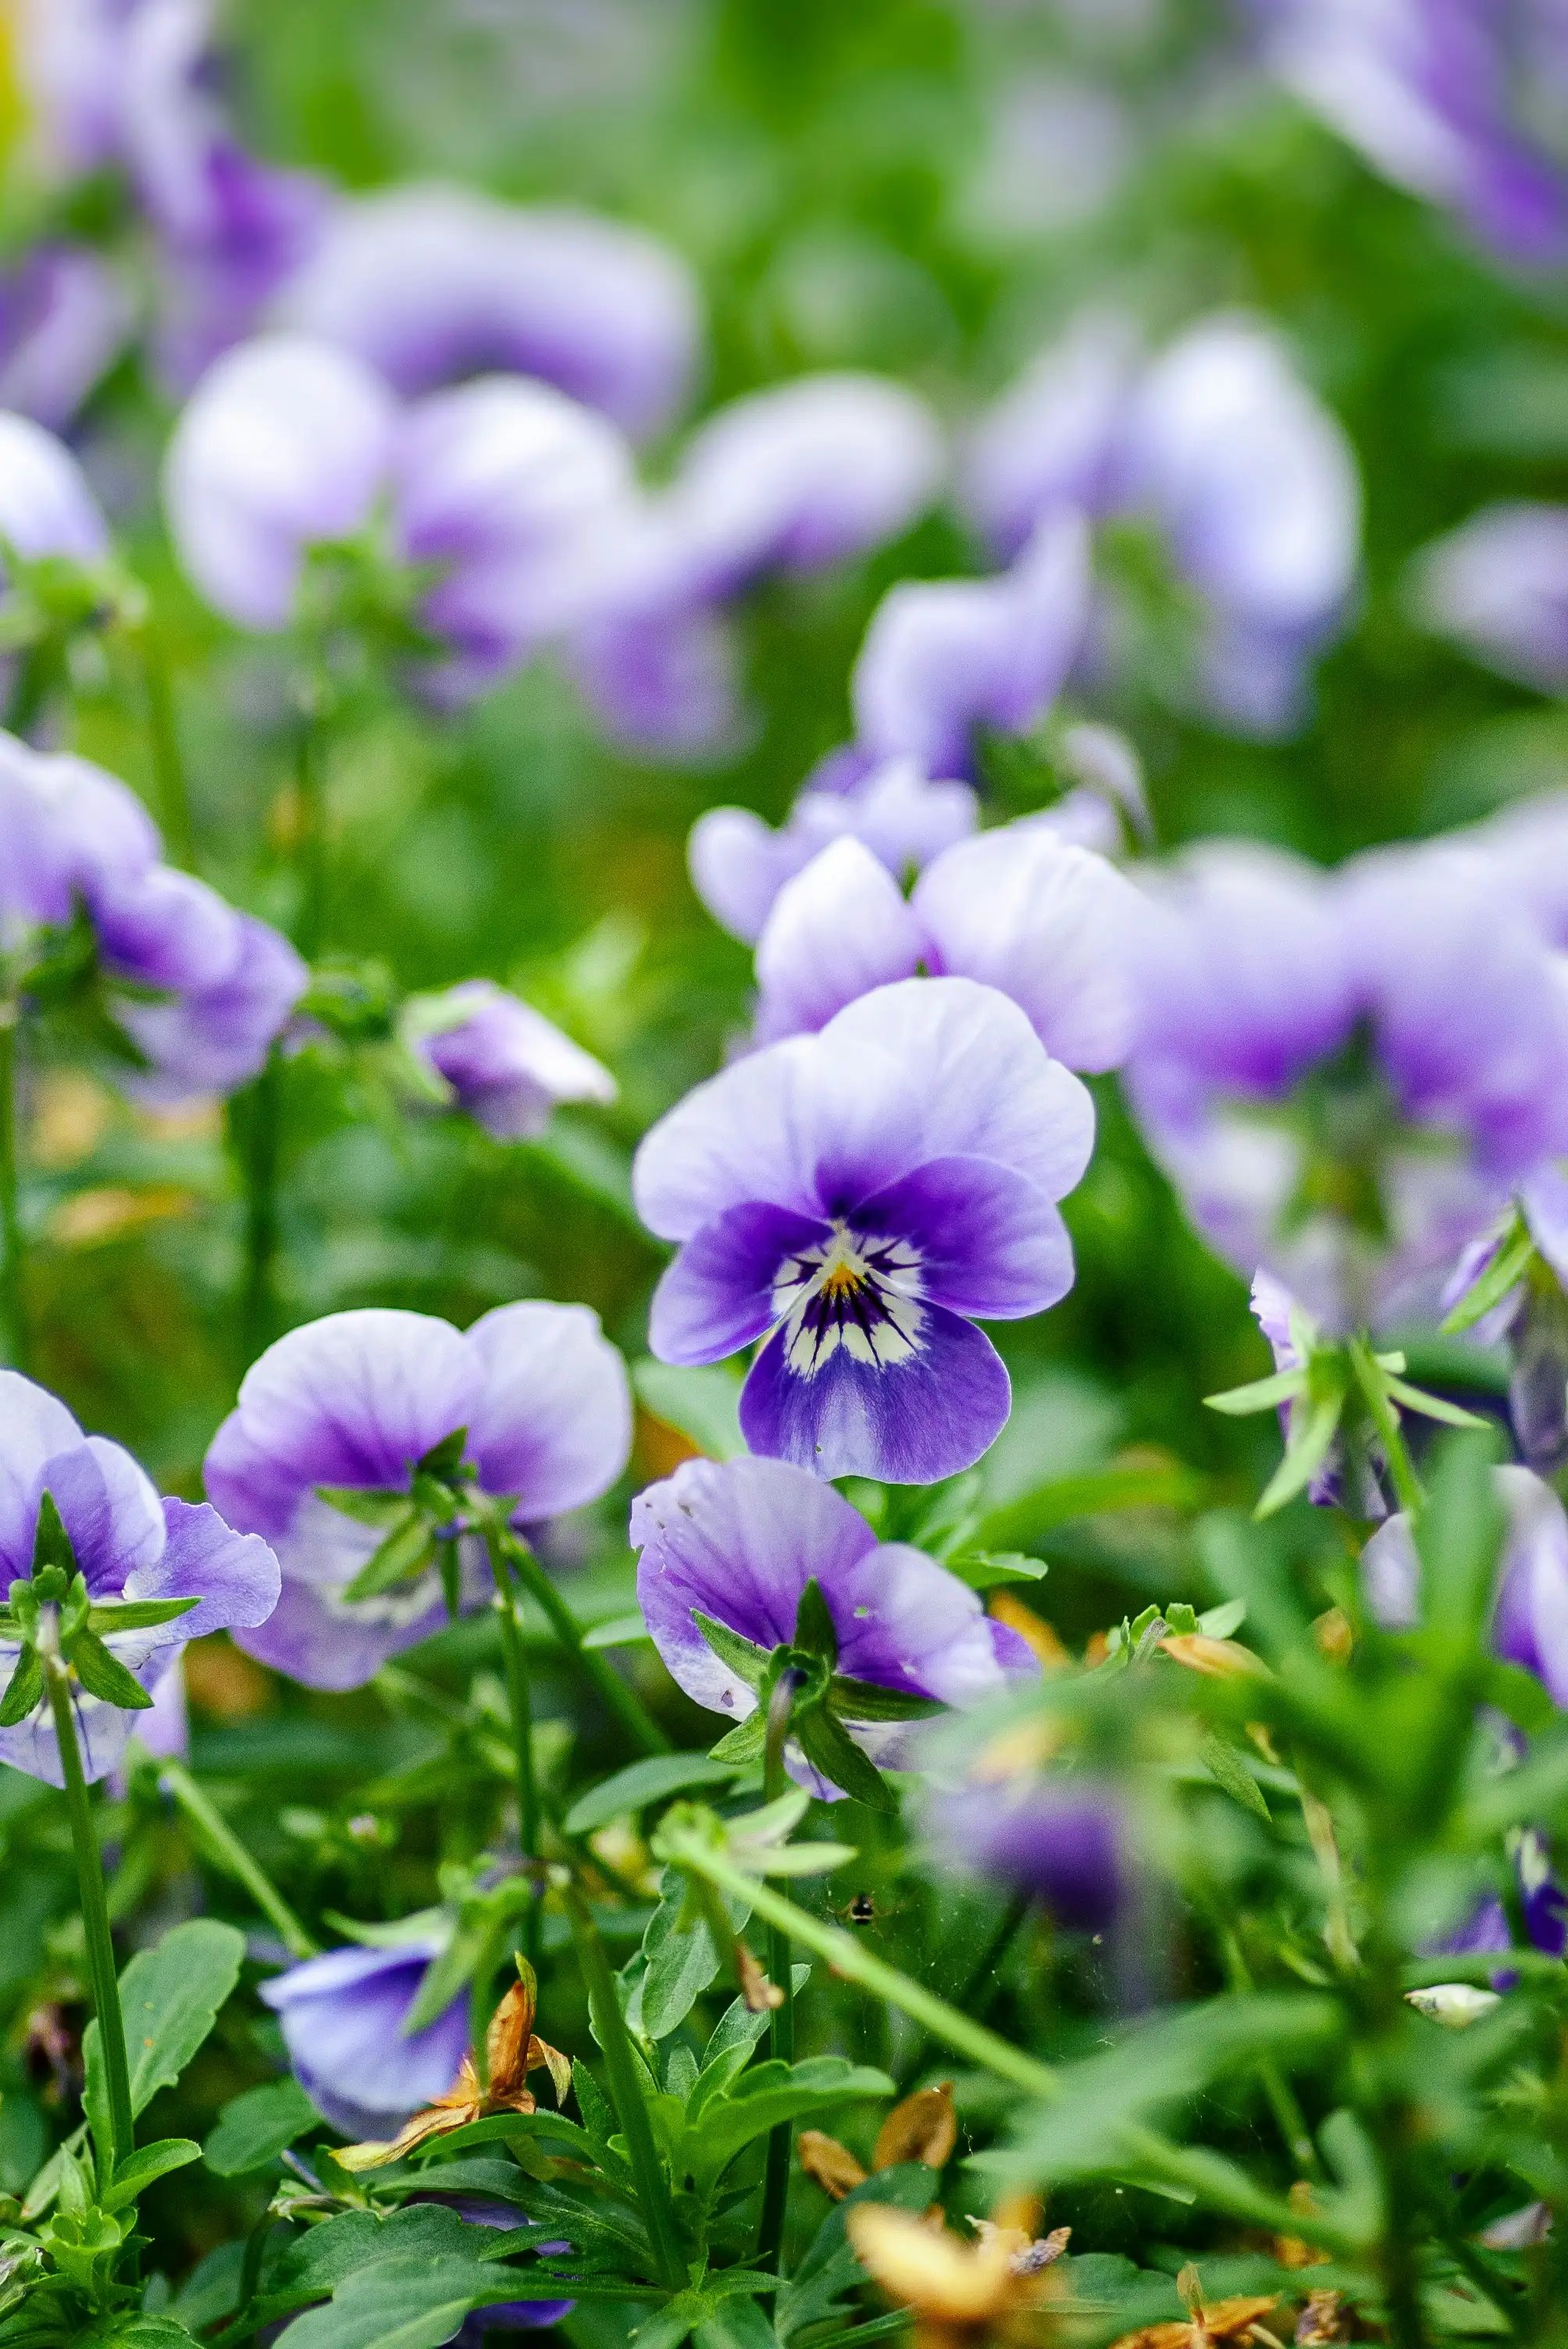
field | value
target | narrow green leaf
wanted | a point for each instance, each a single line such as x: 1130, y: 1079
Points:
x: 853, y: 1700
x: 744, y: 1744
x: 703, y: 1404
x: 255, y: 2127
x: 381, y: 1510
x: 103, y: 1675
x: 829, y: 1748
x: 642, y: 1782
x: 1092, y: 1491
x: 1220, y: 1622
x: 618, y: 1631
x: 984, y: 1569
x: 815, y: 1632
x: 1311, y: 1434
x: 1432, y: 1406
x: 51, y: 1543
x: 149, y: 2162
x: 1227, y: 1766
x: 1507, y: 1268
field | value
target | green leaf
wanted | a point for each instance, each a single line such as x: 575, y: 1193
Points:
x: 1314, y: 1424
x: 984, y: 1569
x: 1220, y: 1622
x: 641, y: 1784
x: 24, y: 1691
x: 681, y: 1960
x: 1227, y: 1767
x: 617, y: 1631
x: 170, y: 1996
x: 254, y: 2128
x: 745, y: 1659
x: 103, y: 1675
x: 138, y: 1614
x: 1507, y: 1268
x: 829, y: 1748
x: 135, y: 2329
x: 149, y: 2162
x: 737, y: 2323
x: 449, y: 1970
x: 409, y: 1549
x: 444, y: 1460
x: 703, y: 1404
x: 400, y: 2304
x: 1431, y: 1406
x: 829, y: 2270
x: 1092, y: 1491
x: 765, y: 2097
x: 815, y: 1632
x: 744, y: 1745
x: 1459, y: 1536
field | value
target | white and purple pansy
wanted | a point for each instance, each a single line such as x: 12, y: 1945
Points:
x: 331, y: 1430
x: 856, y: 1199
x: 106, y: 1576
x: 753, y: 1563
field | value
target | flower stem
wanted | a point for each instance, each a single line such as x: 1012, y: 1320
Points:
x: 516, y: 1665
x: 776, y: 2178
x: 253, y: 1119
x: 309, y: 834
x: 163, y: 742
x: 231, y: 1852
x: 622, y: 1702
x: 94, y: 1915
x: 623, y: 2065
x: 853, y: 1962
x: 13, y: 1302
x: 1385, y: 1420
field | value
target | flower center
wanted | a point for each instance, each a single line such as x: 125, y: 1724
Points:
x: 858, y: 1292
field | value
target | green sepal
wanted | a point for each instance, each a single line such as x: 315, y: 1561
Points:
x: 815, y: 1632
x: 51, y: 1542
x: 26, y: 1690
x: 1315, y: 1418
x: 1510, y: 1266
x: 366, y: 1508
x: 408, y: 1550
x: 1259, y: 1394
x: 829, y: 1748
x: 444, y: 1460
x: 450, y: 1567
x: 747, y: 1742
x: 853, y: 1700
x: 744, y: 1658
x: 138, y: 1614
x: 103, y: 1675
x: 1409, y: 1398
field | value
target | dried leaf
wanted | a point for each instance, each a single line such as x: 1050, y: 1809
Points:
x: 924, y: 2127
x: 1220, y: 1658
x: 831, y: 2166
x: 762, y: 1996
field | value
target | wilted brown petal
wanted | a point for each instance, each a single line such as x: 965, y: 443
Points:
x: 924, y: 2127
x: 831, y: 2165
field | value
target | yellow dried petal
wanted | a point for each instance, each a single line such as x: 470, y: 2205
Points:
x: 933, y: 2273
x: 831, y: 2165
x: 924, y: 2127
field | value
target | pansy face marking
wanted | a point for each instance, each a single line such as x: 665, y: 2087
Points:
x: 861, y: 1292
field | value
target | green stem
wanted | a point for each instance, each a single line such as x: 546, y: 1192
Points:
x: 253, y: 1122
x: 1385, y: 1420
x: 776, y: 2178
x: 516, y: 1666
x: 231, y: 1852
x: 12, y: 1300
x: 622, y: 1702
x: 310, y: 836
x: 163, y: 742
x: 94, y: 1898
x: 1289, y: 2118
x: 38, y: 673
x: 623, y: 2065
x: 853, y: 1962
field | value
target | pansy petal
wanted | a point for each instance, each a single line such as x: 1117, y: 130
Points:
x: 837, y: 929
x: 110, y: 1509
x: 356, y: 1398
x: 38, y: 1426
x: 736, y: 1138
x: 907, y: 1422
x: 717, y: 1295
x: 739, y: 1541
x: 234, y: 1576
x: 1043, y: 921
x: 989, y: 1243
x: 325, y: 1642
x: 913, y: 1625
x: 552, y: 1421
x: 988, y: 1088
x: 342, y: 2018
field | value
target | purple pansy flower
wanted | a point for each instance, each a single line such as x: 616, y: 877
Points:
x: 500, y: 1062
x: 1498, y: 587
x: 1531, y: 1317
x: 1541, y: 1899
x: 342, y: 2017
x: 129, y: 1545
x: 852, y: 1198
x: 64, y: 316
x: 1017, y: 908
x: 45, y: 505
x: 1437, y: 95
x: 1247, y: 482
x: 738, y: 863
x: 944, y: 656
x: 1057, y: 1839
x: 430, y: 284
x: 1529, y: 1621
x: 738, y: 1542
x: 506, y: 2315
x: 223, y: 984
x: 1344, y: 1074
x: 354, y: 1402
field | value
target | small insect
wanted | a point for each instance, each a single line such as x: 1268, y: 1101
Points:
x: 863, y: 1910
